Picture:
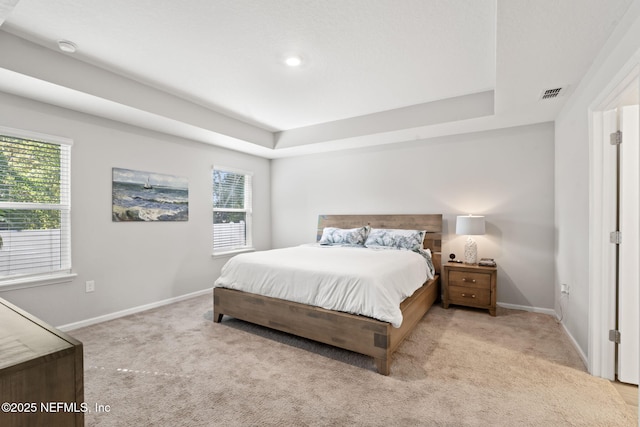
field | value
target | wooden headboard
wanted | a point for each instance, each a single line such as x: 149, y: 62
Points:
x: 431, y: 223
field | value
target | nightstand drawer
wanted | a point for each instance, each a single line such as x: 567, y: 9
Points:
x: 471, y: 296
x: 469, y: 279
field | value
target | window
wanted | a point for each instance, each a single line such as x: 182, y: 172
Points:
x: 231, y: 210
x: 35, y: 204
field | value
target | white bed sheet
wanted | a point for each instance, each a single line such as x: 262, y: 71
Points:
x: 358, y: 280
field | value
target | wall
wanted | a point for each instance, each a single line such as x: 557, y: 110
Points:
x: 133, y: 264
x: 572, y: 168
x: 506, y: 175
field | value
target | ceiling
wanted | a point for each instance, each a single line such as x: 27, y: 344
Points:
x: 372, y: 72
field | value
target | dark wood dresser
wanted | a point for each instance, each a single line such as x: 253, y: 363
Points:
x: 41, y: 372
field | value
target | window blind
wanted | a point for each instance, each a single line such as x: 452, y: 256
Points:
x: 34, y: 206
x: 231, y: 210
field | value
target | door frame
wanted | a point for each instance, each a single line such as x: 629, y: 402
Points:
x: 602, y: 298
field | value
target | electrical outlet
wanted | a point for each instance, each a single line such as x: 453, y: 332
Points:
x: 564, y: 289
x: 90, y: 286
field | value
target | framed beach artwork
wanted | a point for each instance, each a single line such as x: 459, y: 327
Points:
x: 148, y: 196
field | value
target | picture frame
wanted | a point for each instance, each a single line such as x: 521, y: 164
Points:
x: 148, y: 196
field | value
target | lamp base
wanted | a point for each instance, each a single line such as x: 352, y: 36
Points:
x: 470, y: 251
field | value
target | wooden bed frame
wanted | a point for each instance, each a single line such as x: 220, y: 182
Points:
x: 360, y: 334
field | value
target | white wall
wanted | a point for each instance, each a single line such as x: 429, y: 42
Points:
x: 132, y: 264
x: 506, y: 175
x: 572, y: 155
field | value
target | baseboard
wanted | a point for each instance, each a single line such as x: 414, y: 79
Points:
x: 88, y: 322
x: 553, y: 313
x: 548, y: 311
x: 576, y: 346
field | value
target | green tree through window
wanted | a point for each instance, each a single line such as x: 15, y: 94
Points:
x: 30, y: 173
x: 35, y: 209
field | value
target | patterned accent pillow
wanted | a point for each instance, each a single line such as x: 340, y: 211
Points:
x: 410, y: 240
x: 344, y: 237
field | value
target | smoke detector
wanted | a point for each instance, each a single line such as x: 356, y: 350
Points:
x: 552, y: 93
x: 67, y: 46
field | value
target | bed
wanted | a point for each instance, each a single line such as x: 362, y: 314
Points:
x: 358, y: 333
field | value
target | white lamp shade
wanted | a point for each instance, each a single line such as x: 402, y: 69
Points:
x: 470, y: 225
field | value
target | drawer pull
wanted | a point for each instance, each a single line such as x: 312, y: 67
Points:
x: 472, y: 295
x: 464, y: 279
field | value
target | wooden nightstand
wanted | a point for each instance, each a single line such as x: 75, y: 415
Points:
x: 469, y: 285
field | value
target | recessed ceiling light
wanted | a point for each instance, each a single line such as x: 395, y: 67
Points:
x: 67, y: 46
x: 293, y: 61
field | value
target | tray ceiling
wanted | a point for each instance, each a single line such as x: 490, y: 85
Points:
x: 371, y: 72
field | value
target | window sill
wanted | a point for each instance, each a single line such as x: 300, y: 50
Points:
x: 35, y: 281
x: 227, y: 254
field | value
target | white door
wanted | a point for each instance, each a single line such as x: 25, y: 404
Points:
x: 629, y: 248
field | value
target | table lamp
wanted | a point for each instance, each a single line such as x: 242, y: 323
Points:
x: 470, y: 225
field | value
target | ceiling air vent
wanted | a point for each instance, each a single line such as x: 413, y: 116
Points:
x: 552, y: 93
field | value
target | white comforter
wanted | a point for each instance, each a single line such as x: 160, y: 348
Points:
x: 361, y: 281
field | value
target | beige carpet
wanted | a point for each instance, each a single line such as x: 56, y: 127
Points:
x: 173, y: 367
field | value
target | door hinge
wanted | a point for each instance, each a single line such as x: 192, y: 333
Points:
x: 614, y: 336
x: 616, y: 138
x: 615, y: 237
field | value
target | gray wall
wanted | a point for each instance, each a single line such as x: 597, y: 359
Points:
x: 133, y: 264
x: 507, y: 175
x: 572, y: 138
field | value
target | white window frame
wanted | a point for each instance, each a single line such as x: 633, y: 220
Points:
x: 248, y: 210
x: 64, y: 273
